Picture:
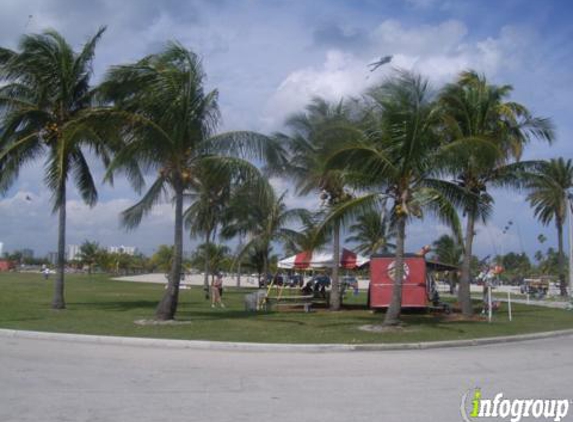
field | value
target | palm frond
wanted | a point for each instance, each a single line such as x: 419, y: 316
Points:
x: 438, y: 203
x: 247, y: 145
x: 83, y: 178
x: 131, y: 217
x: 374, y: 165
x: 349, y: 211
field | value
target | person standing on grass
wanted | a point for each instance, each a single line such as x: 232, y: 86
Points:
x: 216, y: 290
x: 45, y: 271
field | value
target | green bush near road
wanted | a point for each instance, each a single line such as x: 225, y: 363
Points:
x: 99, y: 305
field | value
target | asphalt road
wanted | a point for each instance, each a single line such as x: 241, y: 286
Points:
x: 45, y: 380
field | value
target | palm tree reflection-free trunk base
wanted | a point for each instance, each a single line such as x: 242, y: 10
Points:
x: 168, y: 305
x: 207, y: 267
x: 392, y: 317
x: 265, y: 270
x: 335, y: 289
x: 58, y: 301
x: 464, y: 293
x: 561, y: 258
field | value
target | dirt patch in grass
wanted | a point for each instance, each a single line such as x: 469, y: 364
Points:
x: 147, y: 322
x: 381, y: 329
x: 461, y: 318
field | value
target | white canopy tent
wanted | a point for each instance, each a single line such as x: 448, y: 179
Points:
x: 322, y: 259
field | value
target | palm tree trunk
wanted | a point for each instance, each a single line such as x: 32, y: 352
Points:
x: 58, y: 301
x: 393, y: 313
x: 453, y: 278
x: 561, y: 259
x: 265, y: 268
x: 335, y: 289
x: 168, y: 305
x: 464, y: 294
x: 240, y: 248
x: 207, y: 267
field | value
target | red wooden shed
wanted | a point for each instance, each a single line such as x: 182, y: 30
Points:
x: 6, y: 265
x: 414, y: 285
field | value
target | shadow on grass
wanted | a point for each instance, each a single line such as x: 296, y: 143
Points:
x: 215, y: 314
x: 121, y: 306
x: 221, y: 315
x: 18, y: 320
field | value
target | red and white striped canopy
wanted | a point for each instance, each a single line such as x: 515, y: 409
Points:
x: 322, y: 259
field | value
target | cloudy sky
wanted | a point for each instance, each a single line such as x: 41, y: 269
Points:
x: 268, y: 58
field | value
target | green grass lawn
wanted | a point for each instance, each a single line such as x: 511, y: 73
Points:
x: 98, y: 305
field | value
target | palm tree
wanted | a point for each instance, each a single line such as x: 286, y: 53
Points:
x: 549, y: 190
x: 393, y: 158
x: 167, y: 121
x: 310, y: 236
x: 44, y: 96
x: 209, y: 194
x: 313, y: 138
x: 266, y: 220
x: 89, y: 254
x: 372, y: 230
x: 446, y: 249
x: 217, y: 255
x: 492, y: 133
x: 162, y: 259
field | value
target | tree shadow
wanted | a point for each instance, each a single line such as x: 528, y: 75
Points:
x: 120, y: 306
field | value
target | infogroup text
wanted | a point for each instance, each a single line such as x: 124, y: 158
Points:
x: 512, y: 409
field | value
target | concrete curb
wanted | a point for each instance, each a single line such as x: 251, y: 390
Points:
x: 272, y: 347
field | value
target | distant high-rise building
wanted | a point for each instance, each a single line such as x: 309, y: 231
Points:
x: 73, y: 252
x: 1, y: 249
x: 52, y: 257
x: 129, y: 250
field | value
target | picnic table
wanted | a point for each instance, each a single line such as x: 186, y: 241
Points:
x: 289, y: 301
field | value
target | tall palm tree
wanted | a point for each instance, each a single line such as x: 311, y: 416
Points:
x: 549, y: 190
x: 310, y: 236
x: 162, y: 259
x: 266, y: 220
x: 210, y: 193
x: 393, y: 160
x: 373, y: 232
x: 44, y: 95
x: 168, y: 122
x: 217, y: 255
x: 493, y: 133
x: 312, y: 139
x: 447, y: 250
x: 89, y: 253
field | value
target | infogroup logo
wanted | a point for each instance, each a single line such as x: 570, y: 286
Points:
x: 474, y: 407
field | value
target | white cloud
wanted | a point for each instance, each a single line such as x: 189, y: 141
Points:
x: 426, y: 40
x: 437, y: 51
x: 31, y: 223
x: 342, y: 74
